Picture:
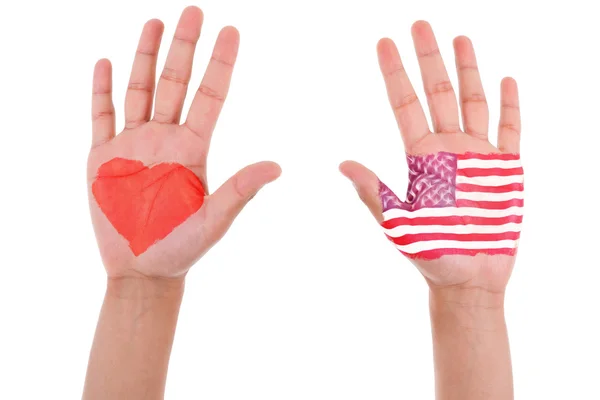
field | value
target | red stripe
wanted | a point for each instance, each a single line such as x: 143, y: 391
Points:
x: 490, y: 205
x: 456, y: 220
x: 432, y: 254
x: 474, y: 172
x: 496, y: 156
x: 467, y: 237
x: 467, y: 187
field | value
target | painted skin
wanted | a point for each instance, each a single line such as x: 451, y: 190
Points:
x: 145, y: 204
x: 456, y: 204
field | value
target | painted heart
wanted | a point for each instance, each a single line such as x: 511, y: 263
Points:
x: 146, y: 204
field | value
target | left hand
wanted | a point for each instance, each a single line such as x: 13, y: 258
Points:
x: 482, y: 271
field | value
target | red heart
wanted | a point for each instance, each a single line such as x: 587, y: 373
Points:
x: 146, y: 204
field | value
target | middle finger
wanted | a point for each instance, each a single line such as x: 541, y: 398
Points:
x: 440, y: 94
x: 173, y: 83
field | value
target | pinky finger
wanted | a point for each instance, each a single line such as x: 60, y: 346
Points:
x: 509, y: 129
x: 103, y: 111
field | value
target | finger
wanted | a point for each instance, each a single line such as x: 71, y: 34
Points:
x: 173, y: 82
x: 103, y: 111
x: 509, y: 130
x: 226, y: 203
x: 140, y: 91
x: 407, y: 108
x: 475, y: 113
x: 366, y: 184
x: 212, y: 92
x: 440, y: 94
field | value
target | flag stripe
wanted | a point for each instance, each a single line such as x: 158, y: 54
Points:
x: 488, y: 196
x: 400, y: 230
x: 451, y: 221
x: 450, y: 212
x: 474, y: 172
x: 455, y: 244
x: 469, y: 237
x: 476, y: 163
x: 490, y: 180
x: 437, y: 253
x: 466, y: 187
x: 490, y: 205
x: 496, y: 156
x: 485, y: 207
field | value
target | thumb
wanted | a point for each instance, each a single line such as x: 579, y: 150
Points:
x: 227, y: 201
x: 366, y: 184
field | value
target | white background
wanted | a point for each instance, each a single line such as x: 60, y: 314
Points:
x: 303, y: 298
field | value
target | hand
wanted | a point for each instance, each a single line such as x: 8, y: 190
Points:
x: 444, y: 268
x: 149, y: 200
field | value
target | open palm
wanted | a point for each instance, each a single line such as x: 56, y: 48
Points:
x: 490, y: 272
x: 159, y: 138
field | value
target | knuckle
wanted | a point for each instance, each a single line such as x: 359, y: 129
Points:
x: 186, y: 41
x: 508, y: 106
x: 221, y: 61
x: 144, y: 53
x: 475, y: 98
x: 506, y: 126
x: 468, y: 67
x: 133, y: 123
x: 405, y: 101
x: 103, y: 114
x: 140, y: 86
x: 238, y: 188
x: 476, y: 132
x: 163, y: 116
x: 399, y: 69
x: 211, y: 93
x: 448, y: 129
x: 444, y: 86
x: 172, y: 75
x: 194, y: 131
x: 434, y: 52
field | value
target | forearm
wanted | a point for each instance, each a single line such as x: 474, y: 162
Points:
x: 470, y: 343
x: 134, y: 336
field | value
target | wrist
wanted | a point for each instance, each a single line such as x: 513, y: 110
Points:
x: 134, y: 337
x: 142, y: 287
x: 470, y: 308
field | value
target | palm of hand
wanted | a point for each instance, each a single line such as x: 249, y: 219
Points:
x: 154, y: 143
x: 490, y: 272
x: 163, y: 140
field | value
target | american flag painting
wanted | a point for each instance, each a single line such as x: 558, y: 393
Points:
x: 457, y: 204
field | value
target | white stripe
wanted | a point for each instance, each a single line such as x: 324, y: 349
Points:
x: 401, y: 230
x: 451, y: 211
x: 482, y: 196
x: 475, y: 163
x: 490, y: 180
x: 455, y: 244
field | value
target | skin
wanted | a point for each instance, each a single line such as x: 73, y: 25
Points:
x: 470, y: 341
x: 144, y: 292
